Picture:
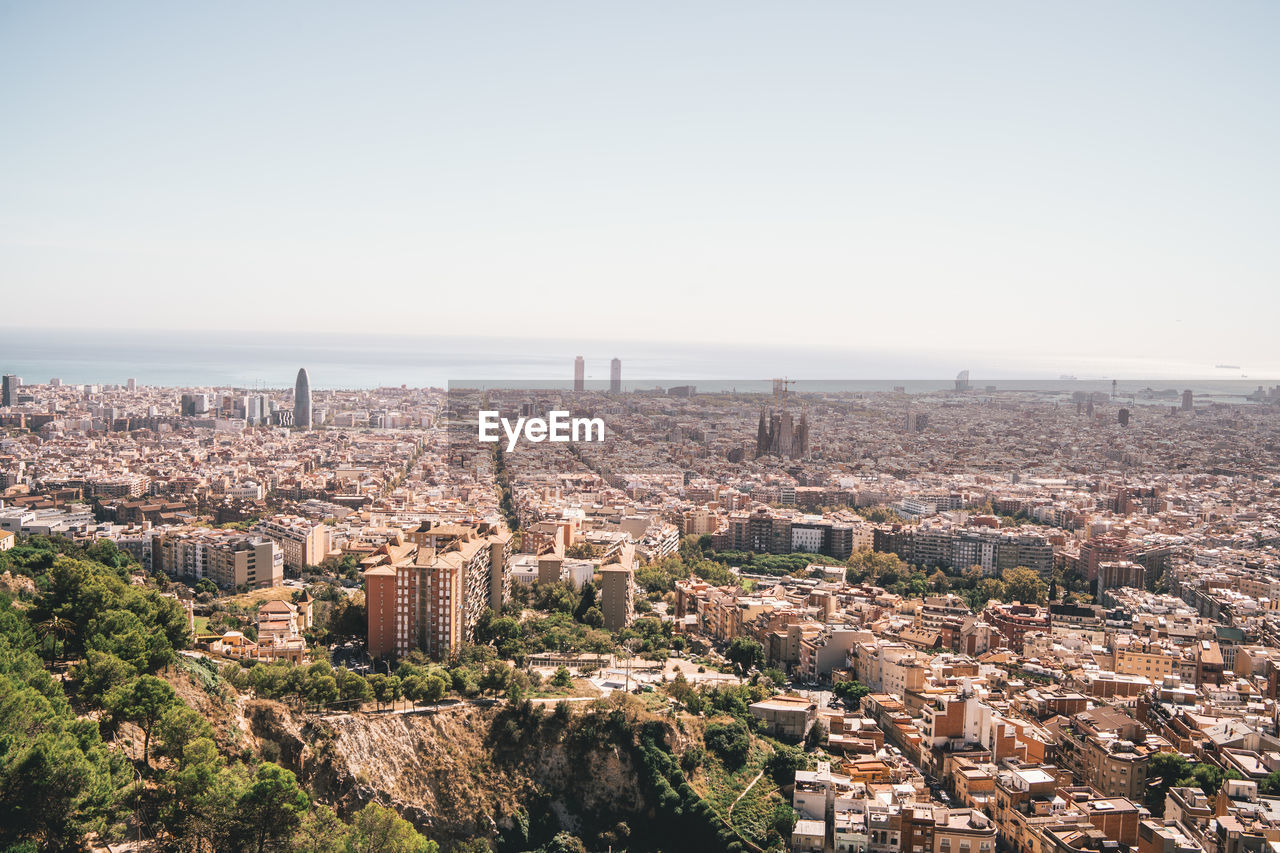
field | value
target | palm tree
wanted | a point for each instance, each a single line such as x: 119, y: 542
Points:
x: 59, y: 629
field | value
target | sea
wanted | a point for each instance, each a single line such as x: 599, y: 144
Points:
x: 363, y: 360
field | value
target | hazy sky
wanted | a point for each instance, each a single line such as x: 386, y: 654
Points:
x: 1091, y: 178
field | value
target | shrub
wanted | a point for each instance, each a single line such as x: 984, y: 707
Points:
x: 730, y: 741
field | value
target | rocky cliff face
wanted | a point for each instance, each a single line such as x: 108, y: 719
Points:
x: 457, y: 773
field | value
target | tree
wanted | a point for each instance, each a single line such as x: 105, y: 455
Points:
x: 716, y: 574
x: 433, y: 689
x: 1207, y: 778
x: 57, y: 779
x: 730, y: 741
x: 784, y: 762
x: 352, y: 687
x: 348, y: 618
x: 377, y: 829
x: 413, y: 688
x: 503, y: 632
x: 562, y: 680
x: 680, y: 689
x: 320, y: 831
x: 204, y: 796
x: 322, y: 690
x: 495, y: 679
x: 588, y: 601
x: 127, y: 636
x: 142, y: 701
x: 179, y: 726
x: 851, y: 691
x: 271, y: 809
x: 99, y: 674
x: 378, y: 687
x: 880, y: 514
x: 784, y: 819
x: 58, y: 631
x: 745, y: 654
x: 879, y: 567
x: 1024, y: 585
x: 988, y: 589
x: 107, y: 553
x: 1165, y: 770
x: 564, y: 842
x: 817, y: 735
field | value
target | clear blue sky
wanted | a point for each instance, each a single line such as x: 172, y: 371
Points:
x: 1088, y: 178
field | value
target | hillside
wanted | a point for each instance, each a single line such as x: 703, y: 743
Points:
x: 513, y: 775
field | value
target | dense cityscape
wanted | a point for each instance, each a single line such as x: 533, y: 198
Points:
x: 579, y: 427
x: 959, y: 621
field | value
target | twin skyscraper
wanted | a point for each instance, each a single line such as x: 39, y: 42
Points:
x: 580, y: 375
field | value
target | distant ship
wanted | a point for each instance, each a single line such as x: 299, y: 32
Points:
x: 1227, y: 366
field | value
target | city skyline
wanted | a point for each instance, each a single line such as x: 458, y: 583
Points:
x: 254, y: 359
x: 834, y: 427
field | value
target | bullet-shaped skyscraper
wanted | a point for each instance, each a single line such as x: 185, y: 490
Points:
x: 579, y: 374
x: 302, y: 401
x: 615, y: 375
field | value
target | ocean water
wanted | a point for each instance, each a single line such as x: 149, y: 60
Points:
x: 363, y: 360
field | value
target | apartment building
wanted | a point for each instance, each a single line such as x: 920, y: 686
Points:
x: 766, y: 532
x: 1121, y: 573
x: 617, y: 596
x: 960, y: 831
x: 1104, y: 549
x: 427, y: 594
x: 228, y: 558
x: 1151, y: 661
x: 937, y: 609
x: 698, y: 522
x: 826, y: 651
x: 952, y: 547
x: 1015, y: 621
x: 1166, y: 836
x: 1104, y: 748
x: 302, y: 541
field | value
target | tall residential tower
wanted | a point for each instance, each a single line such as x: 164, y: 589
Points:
x: 9, y: 391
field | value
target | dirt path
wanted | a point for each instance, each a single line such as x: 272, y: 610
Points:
x: 729, y: 816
